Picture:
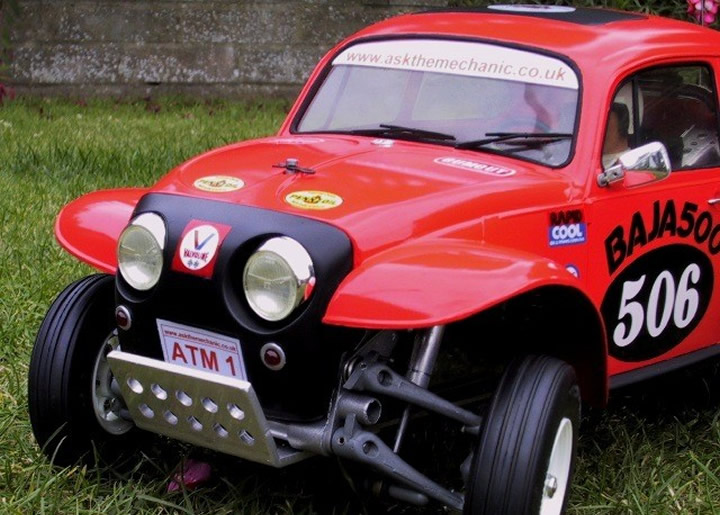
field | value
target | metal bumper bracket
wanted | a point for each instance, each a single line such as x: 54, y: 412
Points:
x: 202, y: 408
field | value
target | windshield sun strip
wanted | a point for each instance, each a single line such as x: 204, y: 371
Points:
x: 311, y: 95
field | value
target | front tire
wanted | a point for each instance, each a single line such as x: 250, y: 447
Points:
x: 524, y: 460
x: 73, y: 412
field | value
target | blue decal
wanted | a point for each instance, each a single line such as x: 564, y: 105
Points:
x: 568, y: 234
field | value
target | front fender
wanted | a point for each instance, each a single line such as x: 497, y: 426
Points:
x: 89, y: 227
x: 437, y: 281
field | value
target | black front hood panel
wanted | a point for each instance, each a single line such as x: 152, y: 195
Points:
x: 301, y: 389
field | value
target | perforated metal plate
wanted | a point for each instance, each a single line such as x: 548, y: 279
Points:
x: 202, y: 408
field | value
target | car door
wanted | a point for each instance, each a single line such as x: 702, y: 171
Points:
x: 655, y: 248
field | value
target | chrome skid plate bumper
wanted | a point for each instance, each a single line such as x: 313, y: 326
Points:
x: 202, y: 408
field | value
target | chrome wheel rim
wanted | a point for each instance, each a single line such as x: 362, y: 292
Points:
x: 106, y: 403
x: 557, y: 475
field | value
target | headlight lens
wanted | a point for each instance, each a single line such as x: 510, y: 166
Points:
x: 140, y: 256
x: 278, y: 278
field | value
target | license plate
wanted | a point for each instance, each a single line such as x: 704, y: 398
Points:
x: 201, y: 350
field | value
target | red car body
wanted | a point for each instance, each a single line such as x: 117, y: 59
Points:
x: 496, y: 228
x: 441, y: 234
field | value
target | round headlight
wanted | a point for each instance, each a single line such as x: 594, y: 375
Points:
x: 278, y: 278
x: 139, y: 253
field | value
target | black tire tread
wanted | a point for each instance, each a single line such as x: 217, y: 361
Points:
x: 500, y: 464
x: 50, y: 401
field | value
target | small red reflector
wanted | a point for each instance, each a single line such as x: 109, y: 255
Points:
x: 122, y: 318
x: 273, y: 356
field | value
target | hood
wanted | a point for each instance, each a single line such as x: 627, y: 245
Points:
x: 378, y: 191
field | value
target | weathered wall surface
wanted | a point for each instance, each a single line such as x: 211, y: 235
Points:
x: 208, y: 48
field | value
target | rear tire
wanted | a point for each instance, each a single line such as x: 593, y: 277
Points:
x: 69, y: 393
x: 524, y: 459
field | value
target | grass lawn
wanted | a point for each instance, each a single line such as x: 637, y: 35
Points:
x: 655, y: 450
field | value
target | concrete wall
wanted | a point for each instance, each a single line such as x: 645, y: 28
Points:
x: 208, y: 48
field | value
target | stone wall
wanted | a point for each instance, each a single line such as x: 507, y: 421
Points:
x: 198, y: 47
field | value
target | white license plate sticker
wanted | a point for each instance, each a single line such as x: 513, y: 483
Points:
x: 201, y: 350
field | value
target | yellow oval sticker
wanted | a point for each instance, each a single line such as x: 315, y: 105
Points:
x: 313, y: 199
x: 218, y: 183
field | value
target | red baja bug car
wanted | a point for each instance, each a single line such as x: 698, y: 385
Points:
x: 517, y: 204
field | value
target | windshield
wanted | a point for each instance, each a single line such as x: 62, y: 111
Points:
x: 472, y: 95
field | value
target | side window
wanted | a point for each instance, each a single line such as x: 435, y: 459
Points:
x: 673, y: 105
x: 620, y: 129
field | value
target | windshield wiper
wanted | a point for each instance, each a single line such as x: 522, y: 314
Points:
x: 386, y: 129
x: 498, y: 137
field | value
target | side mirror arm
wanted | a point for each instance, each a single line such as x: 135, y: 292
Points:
x: 613, y: 174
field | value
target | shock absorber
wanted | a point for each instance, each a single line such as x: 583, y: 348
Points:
x: 422, y: 363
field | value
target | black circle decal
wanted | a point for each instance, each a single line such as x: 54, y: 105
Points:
x: 658, y: 300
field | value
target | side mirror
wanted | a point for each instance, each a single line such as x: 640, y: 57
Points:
x: 643, y: 165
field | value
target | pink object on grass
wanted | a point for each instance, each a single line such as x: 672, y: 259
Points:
x: 193, y: 474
